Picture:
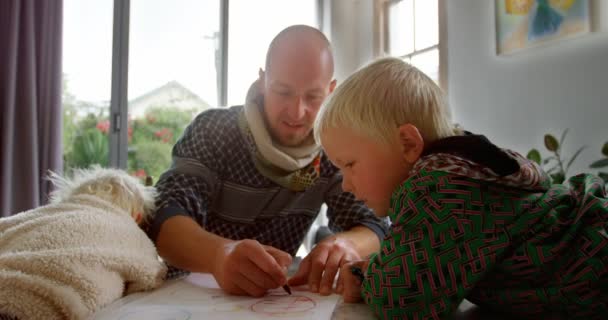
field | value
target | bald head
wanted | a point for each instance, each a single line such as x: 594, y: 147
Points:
x: 301, y: 42
x: 298, y: 77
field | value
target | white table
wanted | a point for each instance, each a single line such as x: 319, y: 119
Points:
x: 342, y: 310
x: 351, y: 311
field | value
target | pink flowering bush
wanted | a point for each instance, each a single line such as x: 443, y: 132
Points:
x: 150, y: 138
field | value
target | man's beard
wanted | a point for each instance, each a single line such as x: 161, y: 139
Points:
x: 293, y: 141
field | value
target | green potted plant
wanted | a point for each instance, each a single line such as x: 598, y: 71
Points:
x: 602, y: 163
x: 556, y: 165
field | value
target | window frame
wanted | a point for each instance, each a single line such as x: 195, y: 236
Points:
x: 118, y: 134
x: 382, y: 33
x: 118, y: 140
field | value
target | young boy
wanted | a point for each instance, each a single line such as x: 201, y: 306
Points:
x: 469, y: 220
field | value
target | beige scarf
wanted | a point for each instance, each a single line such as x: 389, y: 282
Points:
x: 292, y: 167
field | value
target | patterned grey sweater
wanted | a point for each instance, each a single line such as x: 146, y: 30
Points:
x: 213, y: 180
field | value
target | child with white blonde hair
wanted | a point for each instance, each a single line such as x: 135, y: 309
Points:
x: 113, y: 185
x: 82, y: 251
x: 469, y: 219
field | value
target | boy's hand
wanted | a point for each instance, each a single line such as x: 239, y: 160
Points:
x: 351, y: 290
x: 320, y: 267
x: 247, y: 267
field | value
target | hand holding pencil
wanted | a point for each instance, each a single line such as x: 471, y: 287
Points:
x: 353, y: 274
x: 247, y: 267
x: 319, y: 268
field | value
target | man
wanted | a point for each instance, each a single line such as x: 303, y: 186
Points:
x: 248, y: 181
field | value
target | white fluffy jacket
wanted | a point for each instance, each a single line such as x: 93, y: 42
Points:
x: 67, y: 260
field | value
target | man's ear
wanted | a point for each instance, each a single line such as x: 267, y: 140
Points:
x: 411, y: 141
x: 261, y: 80
x: 332, y: 85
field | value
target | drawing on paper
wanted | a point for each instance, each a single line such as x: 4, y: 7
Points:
x: 281, y: 305
x: 199, y: 297
x: 157, y: 313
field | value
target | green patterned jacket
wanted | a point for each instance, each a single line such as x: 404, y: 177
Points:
x: 506, y: 241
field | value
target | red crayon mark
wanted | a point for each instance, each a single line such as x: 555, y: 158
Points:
x: 275, y: 305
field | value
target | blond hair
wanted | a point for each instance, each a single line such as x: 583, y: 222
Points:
x: 113, y: 185
x: 382, y: 96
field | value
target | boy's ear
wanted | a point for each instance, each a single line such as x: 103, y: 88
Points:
x: 411, y: 141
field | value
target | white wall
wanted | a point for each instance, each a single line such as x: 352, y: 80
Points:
x: 516, y: 99
x: 349, y: 27
x: 351, y: 35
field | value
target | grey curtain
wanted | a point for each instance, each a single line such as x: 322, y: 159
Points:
x: 30, y: 101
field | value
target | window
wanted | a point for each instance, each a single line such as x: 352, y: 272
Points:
x: 87, y: 67
x: 409, y: 29
x: 137, y: 71
x: 172, y: 76
x: 247, y: 53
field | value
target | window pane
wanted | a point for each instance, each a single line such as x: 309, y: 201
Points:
x: 427, y: 24
x: 400, y: 28
x: 253, y: 24
x: 172, y: 76
x: 428, y: 63
x: 87, y: 67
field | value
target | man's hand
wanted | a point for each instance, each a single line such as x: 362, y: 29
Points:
x: 247, y: 267
x: 319, y: 268
x: 351, y: 290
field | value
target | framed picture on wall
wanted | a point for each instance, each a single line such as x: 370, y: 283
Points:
x: 521, y: 24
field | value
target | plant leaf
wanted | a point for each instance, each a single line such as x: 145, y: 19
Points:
x: 603, y: 175
x: 605, y: 149
x: 563, y: 137
x: 534, y: 155
x: 599, y: 164
x: 551, y: 143
x: 574, y: 156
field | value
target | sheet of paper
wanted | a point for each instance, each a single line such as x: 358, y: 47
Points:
x: 199, y: 297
